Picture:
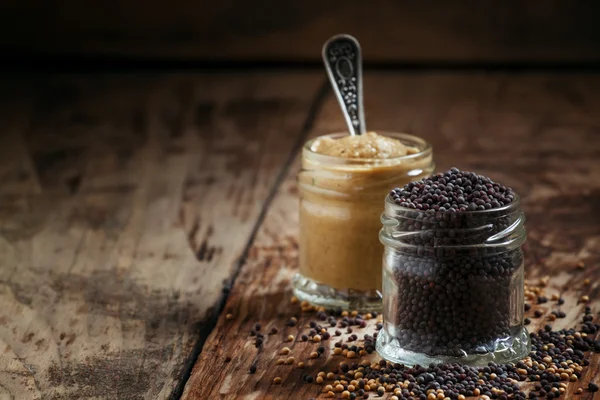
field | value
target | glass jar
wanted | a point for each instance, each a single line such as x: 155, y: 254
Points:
x: 453, y: 287
x: 340, y: 204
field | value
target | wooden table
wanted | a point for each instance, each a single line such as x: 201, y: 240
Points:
x: 148, y: 221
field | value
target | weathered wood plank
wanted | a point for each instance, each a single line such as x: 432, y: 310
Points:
x: 125, y: 203
x: 390, y: 31
x: 537, y: 133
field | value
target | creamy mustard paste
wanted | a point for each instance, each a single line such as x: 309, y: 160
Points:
x: 369, y: 145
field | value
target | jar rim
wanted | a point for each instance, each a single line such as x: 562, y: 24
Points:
x: 424, y: 147
x: 515, y: 204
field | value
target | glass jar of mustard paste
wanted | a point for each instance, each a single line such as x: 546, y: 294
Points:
x: 340, y: 204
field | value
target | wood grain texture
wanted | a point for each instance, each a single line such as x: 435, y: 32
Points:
x: 536, y: 133
x: 390, y: 31
x: 125, y: 203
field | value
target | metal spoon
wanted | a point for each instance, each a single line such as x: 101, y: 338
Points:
x: 343, y: 63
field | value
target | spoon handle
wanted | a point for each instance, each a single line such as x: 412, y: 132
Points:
x: 343, y: 62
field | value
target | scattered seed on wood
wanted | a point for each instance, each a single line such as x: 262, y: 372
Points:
x: 584, y: 299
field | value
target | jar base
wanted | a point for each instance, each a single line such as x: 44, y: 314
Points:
x: 321, y: 295
x: 508, y: 350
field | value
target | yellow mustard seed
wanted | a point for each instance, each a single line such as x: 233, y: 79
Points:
x: 345, y: 394
x: 330, y: 394
x: 301, y: 364
x: 280, y: 361
x: 330, y: 375
x: 314, y: 354
x: 339, y: 387
x: 290, y: 360
x: 229, y: 316
x: 277, y: 380
x: 351, y: 354
x: 351, y: 388
x: 564, y: 376
x: 328, y: 388
x: 337, y: 351
x: 316, y: 338
x: 585, y: 299
x: 319, y: 379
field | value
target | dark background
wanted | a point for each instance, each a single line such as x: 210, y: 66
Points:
x: 40, y: 34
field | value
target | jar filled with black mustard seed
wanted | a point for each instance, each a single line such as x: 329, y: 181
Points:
x: 453, y: 287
